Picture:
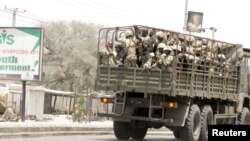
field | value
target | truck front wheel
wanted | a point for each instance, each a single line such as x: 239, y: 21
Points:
x: 122, y: 130
x: 244, y: 117
x: 192, y: 129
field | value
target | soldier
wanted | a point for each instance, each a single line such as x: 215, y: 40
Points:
x: 221, y: 66
x: 177, y: 49
x: 160, y: 50
x: 190, y: 59
x: 159, y: 39
x: 152, y: 39
x: 121, y: 54
x: 150, y: 61
x: 143, y: 49
x: 130, y: 43
x: 160, y: 56
x: 107, y: 55
x: 168, y: 59
x: 172, y: 39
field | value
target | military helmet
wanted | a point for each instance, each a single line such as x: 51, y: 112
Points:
x: 159, y: 34
x: 150, y: 32
x: 128, y: 33
x: 220, y: 45
x: 161, y: 45
x: 151, y: 54
x: 167, y: 48
x: 221, y: 56
x: 181, y: 37
x: 189, y: 38
x: 176, y: 47
x: 204, y: 42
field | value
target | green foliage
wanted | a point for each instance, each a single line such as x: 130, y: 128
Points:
x: 70, y: 55
x: 79, y: 115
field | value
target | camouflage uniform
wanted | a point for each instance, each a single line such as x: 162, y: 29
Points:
x: 150, y: 61
x: 107, y: 58
x: 167, y: 62
x: 144, y: 49
x: 121, y: 54
x: 130, y: 44
x: 220, y: 65
x: 160, y: 56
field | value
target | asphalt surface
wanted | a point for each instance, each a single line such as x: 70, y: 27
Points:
x: 89, y: 138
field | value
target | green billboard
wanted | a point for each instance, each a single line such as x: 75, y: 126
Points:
x: 21, y: 53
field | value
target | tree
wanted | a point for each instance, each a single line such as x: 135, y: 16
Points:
x: 70, y: 58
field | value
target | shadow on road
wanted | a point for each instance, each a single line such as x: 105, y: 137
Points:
x: 146, y: 139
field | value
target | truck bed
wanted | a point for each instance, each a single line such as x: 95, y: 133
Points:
x: 177, y: 82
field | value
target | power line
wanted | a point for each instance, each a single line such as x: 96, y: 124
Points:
x: 35, y: 16
x: 124, y: 11
x: 23, y: 20
x: 30, y: 18
x: 25, y: 16
x: 4, y: 16
x: 96, y: 10
x: 114, y: 10
x: 110, y: 9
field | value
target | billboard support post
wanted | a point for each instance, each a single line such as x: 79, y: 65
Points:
x: 23, y: 100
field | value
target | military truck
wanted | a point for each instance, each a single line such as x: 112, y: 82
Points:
x: 185, y: 99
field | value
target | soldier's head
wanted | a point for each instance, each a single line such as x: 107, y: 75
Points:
x: 128, y: 34
x: 159, y: 36
x: 176, y: 49
x: 204, y: 41
x: 161, y: 47
x: 221, y: 58
x: 144, y: 32
x: 150, y: 33
x: 167, y: 50
x: 118, y: 47
x: 181, y: 37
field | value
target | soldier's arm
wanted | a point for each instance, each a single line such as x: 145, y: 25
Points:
x: 138, y: 37
x: 116, y: 36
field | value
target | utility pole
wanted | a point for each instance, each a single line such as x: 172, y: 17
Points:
x: 185, y: 16
x: 14, y: 12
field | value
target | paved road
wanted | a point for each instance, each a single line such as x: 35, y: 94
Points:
x: 88, y: 138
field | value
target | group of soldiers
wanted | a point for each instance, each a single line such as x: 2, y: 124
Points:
x: 150, y: 48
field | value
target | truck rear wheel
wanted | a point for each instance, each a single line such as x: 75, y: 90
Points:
x: 244, y: 117
x: 139, y: 133
x: 177, y: 133
x: 122, y: 130
x: 206, y: 119
x: 192, y: 129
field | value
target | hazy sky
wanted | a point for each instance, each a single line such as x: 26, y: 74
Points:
x: 230, y: 17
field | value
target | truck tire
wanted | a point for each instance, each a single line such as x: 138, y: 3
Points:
x: 139, y: 133
x: 177, y: 133
x: 244, y: 118
x: 191, y: 130
x: 122, y: 130
x: 206, y: 119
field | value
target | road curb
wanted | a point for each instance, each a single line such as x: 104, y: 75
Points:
x: 60, y: 133
x: 57, y: 131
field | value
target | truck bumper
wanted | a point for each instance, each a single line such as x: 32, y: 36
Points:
x: 129, y: 118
